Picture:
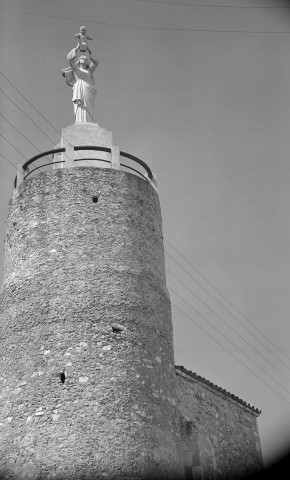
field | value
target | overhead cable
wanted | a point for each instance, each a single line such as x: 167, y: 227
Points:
x: 10, y: 143
x: 230, y: 341
x: 226, y: 309
x: 4, y: 76
x: 50, y: 139
x: 20, y: 132
x: 145, y: 26
x: 25, y: 98
x: 213, y: 5
x: 228, y: 351
x: 5, y: 158
x: 227, y: 324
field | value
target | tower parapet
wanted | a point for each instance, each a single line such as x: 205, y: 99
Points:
x: 78, y: 146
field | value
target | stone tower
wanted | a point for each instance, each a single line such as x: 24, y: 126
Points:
x: 87, y: 367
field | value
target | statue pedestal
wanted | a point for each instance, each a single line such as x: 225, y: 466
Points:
x: 92, y: 135
x: 87, y: 134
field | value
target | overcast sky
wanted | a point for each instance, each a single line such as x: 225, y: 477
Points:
x: 202, y: 95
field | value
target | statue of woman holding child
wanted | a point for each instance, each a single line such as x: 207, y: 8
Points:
x: 80, y: 77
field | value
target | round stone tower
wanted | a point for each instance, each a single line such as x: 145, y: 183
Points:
x: 87, y: 367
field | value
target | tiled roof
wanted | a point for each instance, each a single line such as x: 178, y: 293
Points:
x: 218, y: 389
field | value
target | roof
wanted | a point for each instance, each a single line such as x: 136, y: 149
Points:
x: 181, y: 369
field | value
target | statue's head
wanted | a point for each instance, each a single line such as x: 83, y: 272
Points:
x: 83, y: 62
x: 83, y: 30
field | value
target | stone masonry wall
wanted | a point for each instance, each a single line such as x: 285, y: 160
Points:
x: 220, y: 438
x: 87, y: 374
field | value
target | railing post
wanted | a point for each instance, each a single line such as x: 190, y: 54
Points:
x: 68, y: 155
x: 20, y: 174
x: 115, y: 159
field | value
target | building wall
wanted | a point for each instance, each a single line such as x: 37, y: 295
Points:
x: 87, y: 369
x: 220, y: 438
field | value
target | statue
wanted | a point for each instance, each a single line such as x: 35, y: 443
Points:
x: 80, y: 77
x: 83, y: 38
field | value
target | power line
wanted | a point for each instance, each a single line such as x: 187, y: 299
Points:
x: 207, y: 321
x: 146, y: 27
x: 20, y: 132
x: 27, y: 115
x: 230, y: 303
x: 10, y: 143
x: 228, y: 325
x: 228, y: 311
x: 30, y: 117
x: 24, y: 137
x: 5, y: 158
x: 7, y: 79
x: 225, y: 298
x: 212, y: 5
x: 228, y: 351
x: 212, y: 296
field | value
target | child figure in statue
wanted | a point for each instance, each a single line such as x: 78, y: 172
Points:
x: 83, y: 40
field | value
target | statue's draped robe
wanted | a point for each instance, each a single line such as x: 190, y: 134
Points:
x: 83, y: 96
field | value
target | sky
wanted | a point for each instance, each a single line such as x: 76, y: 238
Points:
x: 201, y: 93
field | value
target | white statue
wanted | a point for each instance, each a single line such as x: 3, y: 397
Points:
x: 80, y: 77
x: 83, y: 40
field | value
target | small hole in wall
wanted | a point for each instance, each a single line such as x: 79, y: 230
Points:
x: 62, y: 377
x: 188, y: 428
x: 95, y: 198
x: 116, y: 328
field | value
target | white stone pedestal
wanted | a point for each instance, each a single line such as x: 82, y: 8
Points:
x: 87, y: 134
